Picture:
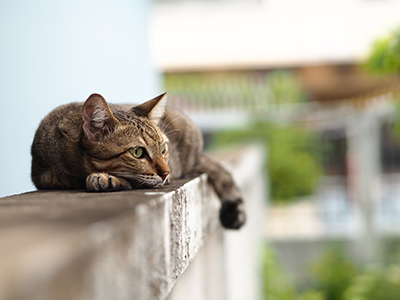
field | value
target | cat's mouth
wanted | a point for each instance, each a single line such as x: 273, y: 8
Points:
x: 144, y: 182
x: 166, y: 180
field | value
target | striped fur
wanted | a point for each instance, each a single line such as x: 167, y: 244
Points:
x: 91, y: 146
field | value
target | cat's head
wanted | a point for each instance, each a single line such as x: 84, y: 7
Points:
x: 126, y: 142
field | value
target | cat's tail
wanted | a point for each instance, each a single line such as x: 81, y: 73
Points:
x: 232, y: 214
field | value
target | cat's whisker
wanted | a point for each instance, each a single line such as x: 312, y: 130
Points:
x: 173, y: 130
x: 166, y: 179
x: 165, y: 120
x: 140, y: 184
x: 169, y: 123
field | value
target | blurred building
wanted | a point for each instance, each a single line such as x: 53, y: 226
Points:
x: 322, y: 41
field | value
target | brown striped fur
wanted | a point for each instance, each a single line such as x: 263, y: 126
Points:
x: 89, y: 145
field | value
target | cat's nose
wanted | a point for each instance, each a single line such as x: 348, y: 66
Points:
x: 163, y: 174
x: 162, y: 170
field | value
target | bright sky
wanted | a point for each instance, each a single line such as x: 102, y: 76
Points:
x: 267, y: 33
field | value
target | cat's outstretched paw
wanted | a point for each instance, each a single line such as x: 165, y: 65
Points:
x: 103, y: 182
x: 232, y: 214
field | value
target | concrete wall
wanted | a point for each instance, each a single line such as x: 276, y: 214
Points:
x: 55, y: 52
x: 229, y: 265
x: 138, y: 244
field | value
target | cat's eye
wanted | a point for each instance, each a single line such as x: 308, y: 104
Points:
x: 163, y: 148
x: 137, y: 152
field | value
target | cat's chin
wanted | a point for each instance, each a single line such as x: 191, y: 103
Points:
x: 161, y: 184
x: 149, y: 185
x: 157, y: 183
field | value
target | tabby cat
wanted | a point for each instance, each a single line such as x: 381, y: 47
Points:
x: 104, y: 148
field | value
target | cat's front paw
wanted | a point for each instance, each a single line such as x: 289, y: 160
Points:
x: 232, y: 214
x: 103, y: 182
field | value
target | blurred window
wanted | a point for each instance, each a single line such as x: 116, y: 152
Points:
x: 390, y: 148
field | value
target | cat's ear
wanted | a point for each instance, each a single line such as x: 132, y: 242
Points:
x: 97, y: 118
x: 153, y: 109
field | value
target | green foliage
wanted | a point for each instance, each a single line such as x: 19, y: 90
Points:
x: 340, y: 279
x: 375, y: 284
x: 212, y: 90
x: 293, y: 162
x: 276, y: 287
x: 385, y: 55
x: 312, y: 295
x: 284, y: 87
x: 385, y: 59
x: 391, y: 251
x: 293, y: 173
x: 396, y: 127
x: 333, y: 274
x: 336, y: 278
x: 244, y: 90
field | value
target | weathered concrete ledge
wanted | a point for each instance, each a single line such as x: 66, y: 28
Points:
x: 136, y: 244
x: 120, y: 245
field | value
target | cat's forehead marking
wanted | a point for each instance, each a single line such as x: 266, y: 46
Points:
x: 146, y: 129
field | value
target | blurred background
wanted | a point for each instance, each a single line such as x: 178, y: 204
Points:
x: 315, y: 82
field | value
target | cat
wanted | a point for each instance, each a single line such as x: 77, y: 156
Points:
x: 104, y: 147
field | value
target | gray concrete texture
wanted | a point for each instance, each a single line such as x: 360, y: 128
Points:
x: 119, y: 245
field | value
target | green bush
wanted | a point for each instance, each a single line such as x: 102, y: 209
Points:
x: 333, y: 274
x: 335, y: 278
x: 293, y: 173
x: 384, y: 58
x: 276, y: 286
x: 311, y: 295
x: 375, y: 284
x: 294, y: 160
x: 283, y: 87
x: 243, y: 90
x: 385, y: 54
x: 294, y: 153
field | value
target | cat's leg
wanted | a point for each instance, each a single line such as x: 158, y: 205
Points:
x: 103, y: 182
x: 52, y: 180
x: 232, y: 214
